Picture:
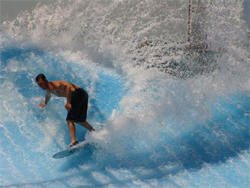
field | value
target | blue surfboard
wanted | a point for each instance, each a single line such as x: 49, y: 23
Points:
x: 72, y: 150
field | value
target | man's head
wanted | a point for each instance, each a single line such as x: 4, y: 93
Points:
x: 42, y: 81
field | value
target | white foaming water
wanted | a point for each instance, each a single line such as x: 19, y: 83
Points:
x: 142, y: 141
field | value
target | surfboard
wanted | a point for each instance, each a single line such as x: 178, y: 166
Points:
x: 71, y: 150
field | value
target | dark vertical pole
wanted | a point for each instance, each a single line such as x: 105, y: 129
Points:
x: 189, y: 20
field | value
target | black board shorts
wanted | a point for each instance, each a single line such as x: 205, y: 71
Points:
x: 79, y: 106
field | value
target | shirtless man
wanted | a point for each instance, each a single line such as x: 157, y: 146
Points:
x: 76, y: 105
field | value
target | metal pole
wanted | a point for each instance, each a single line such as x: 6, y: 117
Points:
x: 189, y: 20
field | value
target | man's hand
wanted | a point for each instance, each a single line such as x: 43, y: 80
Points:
x: 42, y: 105
x: 68, y: 106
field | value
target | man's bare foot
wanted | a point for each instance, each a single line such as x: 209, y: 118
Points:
x: 73, y: 143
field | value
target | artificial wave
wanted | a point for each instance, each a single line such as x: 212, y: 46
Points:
x: 164, y: 117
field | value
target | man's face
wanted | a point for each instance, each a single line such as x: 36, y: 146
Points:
x: 42, y: 84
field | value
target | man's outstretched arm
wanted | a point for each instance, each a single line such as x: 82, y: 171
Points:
x: 47, y: 98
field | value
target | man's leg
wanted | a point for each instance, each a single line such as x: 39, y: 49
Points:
x: 72, y: 131
x: 86, y: 125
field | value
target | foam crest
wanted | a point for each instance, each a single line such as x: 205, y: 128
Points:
x: 139, y: 30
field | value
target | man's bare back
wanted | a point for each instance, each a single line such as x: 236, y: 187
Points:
x: 59, y: 88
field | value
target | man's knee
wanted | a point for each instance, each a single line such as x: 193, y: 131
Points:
x: 70, y: 122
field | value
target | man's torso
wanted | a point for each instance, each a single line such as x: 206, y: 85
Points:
x: 59, y: 88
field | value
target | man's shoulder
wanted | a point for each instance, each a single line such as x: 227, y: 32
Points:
x: 59, y: 82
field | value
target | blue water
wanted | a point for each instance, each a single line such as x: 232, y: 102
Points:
x: 211, y: 154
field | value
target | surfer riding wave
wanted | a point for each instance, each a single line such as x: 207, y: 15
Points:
x: 76, y: 104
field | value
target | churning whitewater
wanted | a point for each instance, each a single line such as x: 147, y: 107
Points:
x: 165, y: 114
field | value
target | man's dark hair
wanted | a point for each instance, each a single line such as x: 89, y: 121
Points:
x: 41, y: 76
